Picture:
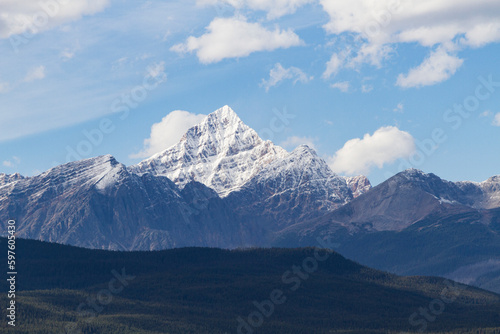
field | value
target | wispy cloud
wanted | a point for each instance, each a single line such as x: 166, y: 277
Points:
x: 27, y: 16
x: 366, y: 88
x: 335, y: 63
x: 274, y: 8
x: 4, y: 86
x: 67, y: 54
x: 36, y: 73
x: 400, y: 108
x: 438, y: 67
x: 496, y: 119
x: 343, y: 86
x: 14, y: 162
x: 278, y: 74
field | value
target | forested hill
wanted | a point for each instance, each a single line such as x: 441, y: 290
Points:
x: 202, y: 290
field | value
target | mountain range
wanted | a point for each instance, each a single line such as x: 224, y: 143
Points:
x: 223, y: 186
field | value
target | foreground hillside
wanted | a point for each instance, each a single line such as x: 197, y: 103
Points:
x: 199, y: 290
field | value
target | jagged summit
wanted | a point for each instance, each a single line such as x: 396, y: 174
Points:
x: 359, y: 185
x: 480, y: 195
x: 412, y: 172
x: 221, y: 129
x: 225, y: 154
x: 9, y: 178
x: 221, y: 152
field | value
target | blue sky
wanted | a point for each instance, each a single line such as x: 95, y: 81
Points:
x: 374, y: 88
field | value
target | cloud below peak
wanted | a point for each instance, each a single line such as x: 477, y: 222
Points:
x: 361, y: 155
x: 168, y: 132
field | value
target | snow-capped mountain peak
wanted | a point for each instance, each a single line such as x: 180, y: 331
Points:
x: 226, y: 155
x: 221, y: 152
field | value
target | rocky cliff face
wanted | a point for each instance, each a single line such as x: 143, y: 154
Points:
x: 289, y: 190
x: 98, y: 203
x: 359, y: 185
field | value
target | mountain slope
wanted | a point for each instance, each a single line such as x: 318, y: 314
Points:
x: 483, y: 195
x: 220, y: 186
x: 414, y: 223
x: 265, y: 184
x: 221, y: 152
x: 98, y: 203
x: 291, y: 189
x: 225, y: 154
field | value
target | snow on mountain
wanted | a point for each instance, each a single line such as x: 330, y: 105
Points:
x: 226, y: 155
x: 98, y: 203
x: 359, y: 185
x: 8, y: 178
x: 221, y: 152
x: 478, y: 195
x: 487, y: 193
x: 98, y: 172
x: 297, y: 187
x: 302, y: 171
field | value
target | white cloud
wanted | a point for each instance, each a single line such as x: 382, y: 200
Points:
x: 359, y: 156
x: 274, y: 8
x: 168, y: 132
x: 4, y: 86
x: 343, y: 86
x: 377, y: 26
x: 278, y: 73
x: 9, y: 163
x: 157, y: 71
x: 496, y: 119
x: 234, y: 38
x: 36, y: 73
x: 334, y: 64
x: 400, y: 108
x: 294, y: 141
x: 366, y: 88
x: 482, y: 34
x: 67, y: 55
x: 438, y: 67
x: 486, y: 113
x: 27, y: 16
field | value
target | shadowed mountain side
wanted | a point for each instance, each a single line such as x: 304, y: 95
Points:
x: 412, y: 224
